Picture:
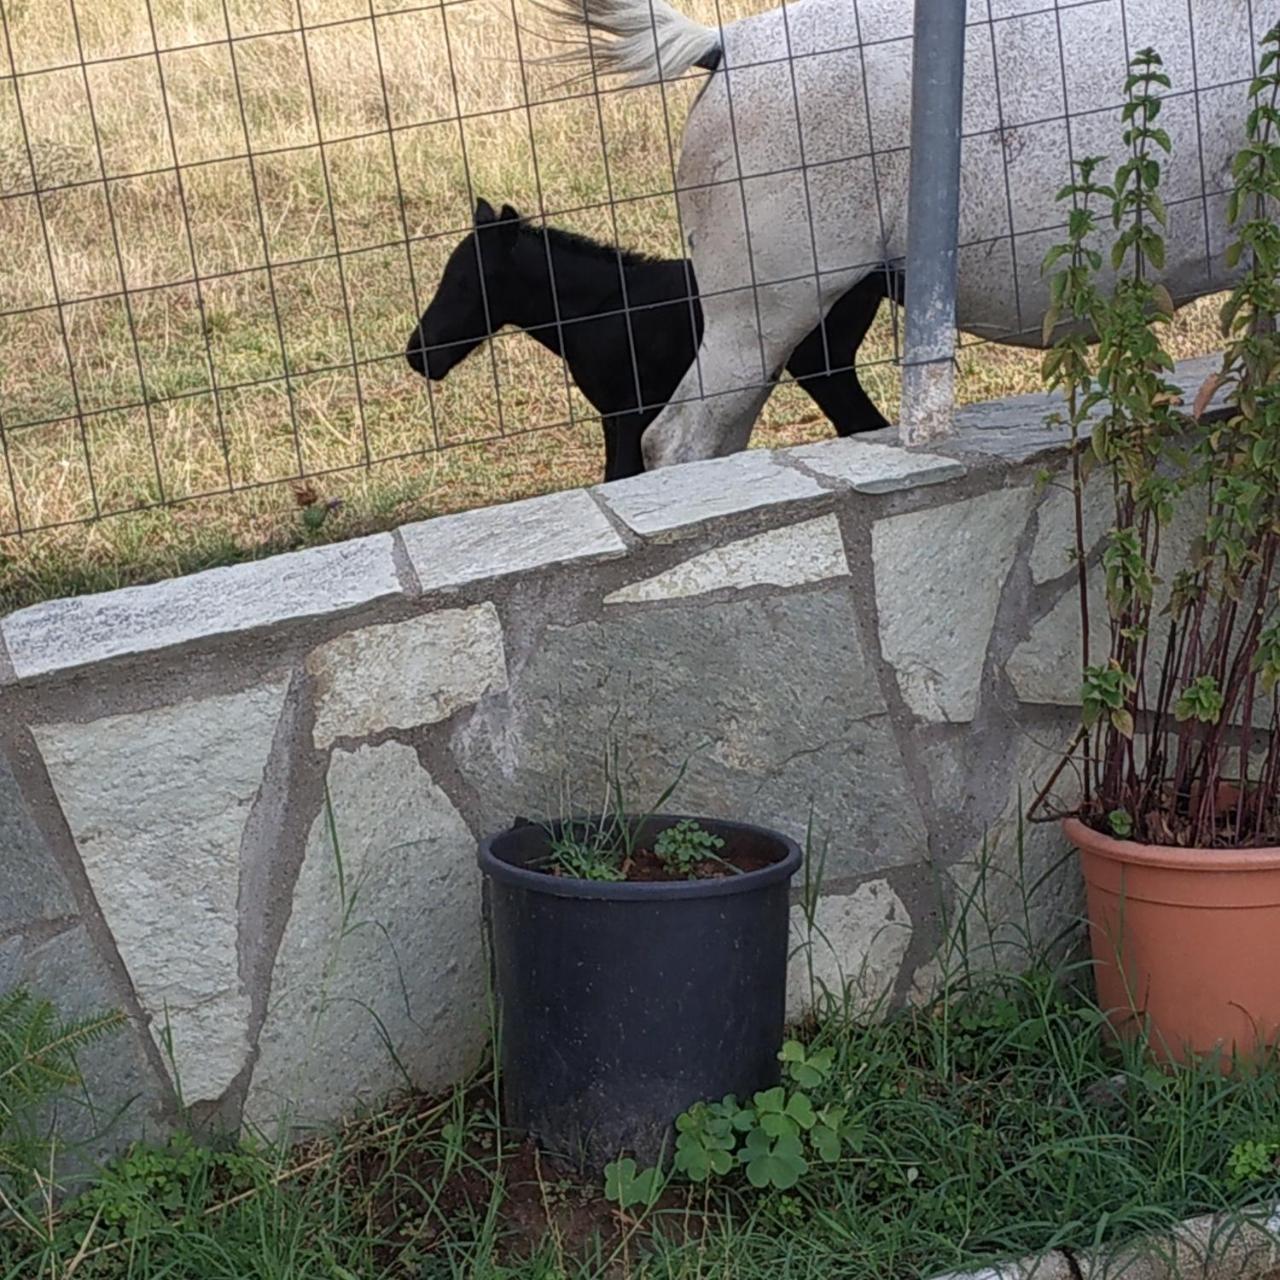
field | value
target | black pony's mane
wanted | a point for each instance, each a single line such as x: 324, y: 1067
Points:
x: 584, y: 246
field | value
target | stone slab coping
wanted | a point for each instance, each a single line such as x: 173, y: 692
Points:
x: 1014, y: 429
x: 450, y: 552
x: 79, y: 630
x: 515, y: 537
x: 672, y: 503
x: 1212, y: 1247
x: 447, y: 553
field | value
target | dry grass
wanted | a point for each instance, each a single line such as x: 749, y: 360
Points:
x: 463, y: 119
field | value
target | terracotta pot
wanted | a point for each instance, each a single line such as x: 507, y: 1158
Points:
x: 1187, y: 940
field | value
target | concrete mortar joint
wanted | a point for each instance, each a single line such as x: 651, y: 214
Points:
x: 829, y: 483
x: 633, y: 541
x: 403, y: 564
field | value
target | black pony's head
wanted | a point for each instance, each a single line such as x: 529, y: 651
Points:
x: 470, y: 302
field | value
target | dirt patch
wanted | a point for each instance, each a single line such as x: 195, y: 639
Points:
x: 445, y: 1182
x: 537, y: 1201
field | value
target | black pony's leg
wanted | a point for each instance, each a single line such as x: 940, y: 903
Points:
x: 610, y: 427
x: 622, y: 454
x: 834, y: 386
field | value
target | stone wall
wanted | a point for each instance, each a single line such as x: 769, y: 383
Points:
x: 848, y: 637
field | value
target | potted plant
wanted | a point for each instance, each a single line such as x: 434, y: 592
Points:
x: 1177, y: 758
x: 639, y: 966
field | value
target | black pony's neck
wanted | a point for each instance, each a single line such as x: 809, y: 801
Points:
x: 584, y: 273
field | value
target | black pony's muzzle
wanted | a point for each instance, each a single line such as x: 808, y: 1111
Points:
x: 434, y: 360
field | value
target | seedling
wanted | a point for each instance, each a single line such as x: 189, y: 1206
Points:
x: 1253, y: 1161
x: 682, y: 849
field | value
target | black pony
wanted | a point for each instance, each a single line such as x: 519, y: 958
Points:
x: 626, y: 351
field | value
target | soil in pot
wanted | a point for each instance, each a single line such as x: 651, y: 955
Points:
x: 644, y: 866
x: 674, y: 852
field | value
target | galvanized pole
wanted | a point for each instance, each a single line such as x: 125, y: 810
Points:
x: 933, y: 221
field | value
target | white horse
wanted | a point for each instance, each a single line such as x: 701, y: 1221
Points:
x: 793, y: 173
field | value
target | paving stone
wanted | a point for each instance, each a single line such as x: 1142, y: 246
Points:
x: 122, y: 1100
x: 379, y: 982
x: 1046, y: 667
x: 157, y: 802
x: 673, y: 502
x: 875, y: 468
x: 32, y: 887
x: 1052, y: 553
x: 939, y: 575
x: 517, y: 537
x: 773, y: 704
x: 852, y: 950
x: 81, y: 630
x: 403, y: 674
x: 791, y: 556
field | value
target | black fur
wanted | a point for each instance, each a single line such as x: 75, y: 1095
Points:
x: 627, y: 325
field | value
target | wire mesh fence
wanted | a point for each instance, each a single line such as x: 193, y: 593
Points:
x: 221, y: 220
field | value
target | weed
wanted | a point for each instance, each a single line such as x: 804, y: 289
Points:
x: 600, y: 848
x: 1254, y: 1160
x: 37, y: 1063
x: 772, y: 1137
x: 582, y: 853
x: 682, y: 849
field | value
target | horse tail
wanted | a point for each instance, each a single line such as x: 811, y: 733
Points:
x: 644, y: 40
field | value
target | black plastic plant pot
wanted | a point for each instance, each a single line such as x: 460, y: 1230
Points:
x: 622, y: 1004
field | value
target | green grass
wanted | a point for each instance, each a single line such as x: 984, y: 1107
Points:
x: 995, y: 1122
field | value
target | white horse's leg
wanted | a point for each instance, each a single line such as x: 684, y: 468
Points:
x: 748, y: 337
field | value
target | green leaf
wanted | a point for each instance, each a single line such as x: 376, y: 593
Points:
x: 628, y: 1186
x: 800, y: 1109
x: 780, y: 1165
x: 1201, y: 700
x: 1121, y: 824
x: 811, y: 1070
x: 778, y: 1126
x: 826, y: 1142
x: 693, y: 1162
x: 771, y: 1100
x: 805, y: 1075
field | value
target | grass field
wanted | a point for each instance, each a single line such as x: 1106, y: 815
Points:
x: 431, y: 101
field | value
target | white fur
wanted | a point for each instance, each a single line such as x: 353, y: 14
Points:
x: 793, y: 171
x: 643, y: 40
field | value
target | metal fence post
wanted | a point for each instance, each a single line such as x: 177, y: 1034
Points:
x: 933, y: 220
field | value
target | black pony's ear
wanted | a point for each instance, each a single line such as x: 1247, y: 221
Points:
x: 505, y: 228
x: 484, y: 213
